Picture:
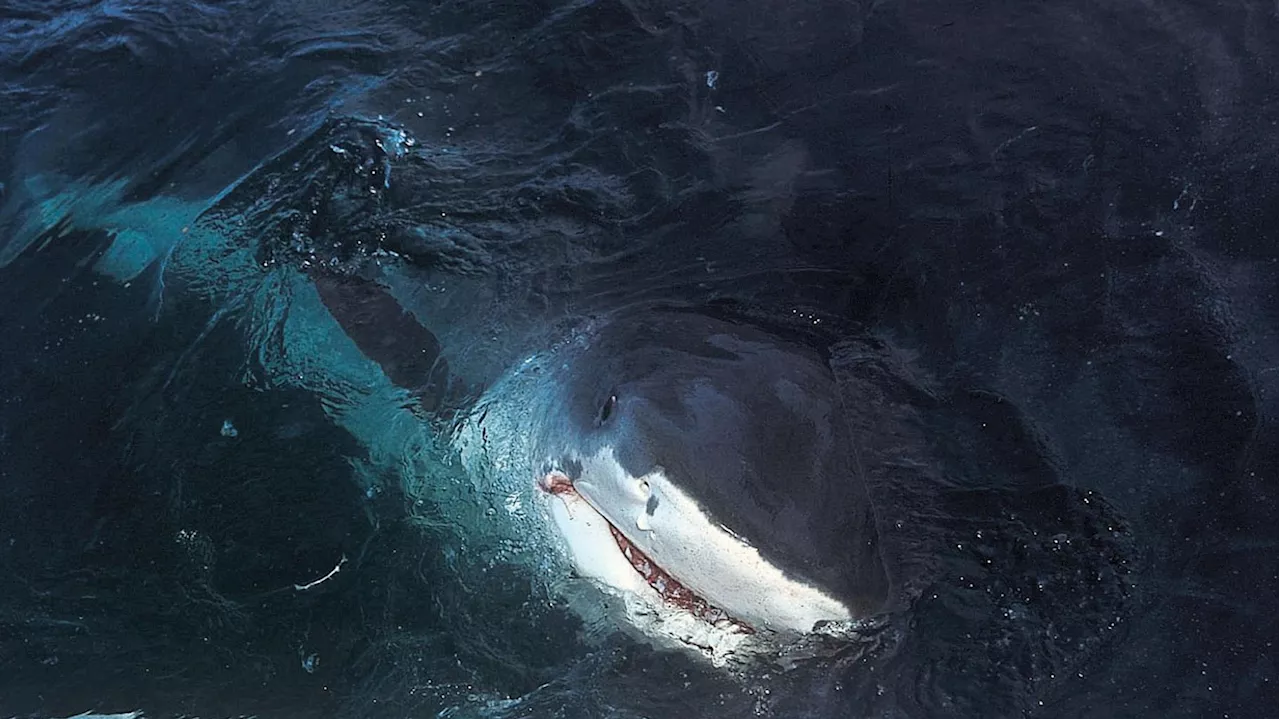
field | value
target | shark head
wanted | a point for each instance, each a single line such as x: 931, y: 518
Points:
x: 707, y: 466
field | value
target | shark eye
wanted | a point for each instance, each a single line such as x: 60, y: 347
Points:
x: 606, y: 410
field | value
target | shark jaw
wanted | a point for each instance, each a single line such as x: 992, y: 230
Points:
x: 718, y: 596
x: 667, y: 587
x: 599, y: 553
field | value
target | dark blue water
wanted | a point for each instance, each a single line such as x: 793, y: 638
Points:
x: 1038, y: 242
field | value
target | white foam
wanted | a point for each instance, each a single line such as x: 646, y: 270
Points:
x: 96, y: 715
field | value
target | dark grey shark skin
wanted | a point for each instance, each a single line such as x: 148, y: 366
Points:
x: 409, y: 354
x: 750, y: 426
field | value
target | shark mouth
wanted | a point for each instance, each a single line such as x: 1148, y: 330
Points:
x: 669, y: 588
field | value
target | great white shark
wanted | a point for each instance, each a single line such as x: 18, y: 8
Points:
x: 698, y: 467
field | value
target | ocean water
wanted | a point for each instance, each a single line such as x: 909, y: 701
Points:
x: 1036, y: 243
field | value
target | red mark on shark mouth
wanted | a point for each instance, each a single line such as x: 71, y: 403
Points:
x: 556, y: 483
x: 667, y: 587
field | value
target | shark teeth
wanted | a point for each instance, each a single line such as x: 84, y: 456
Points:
x: 672, y: 591
x: 667, y: 587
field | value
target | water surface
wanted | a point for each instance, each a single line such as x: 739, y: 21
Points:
x: 1037, y: 242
